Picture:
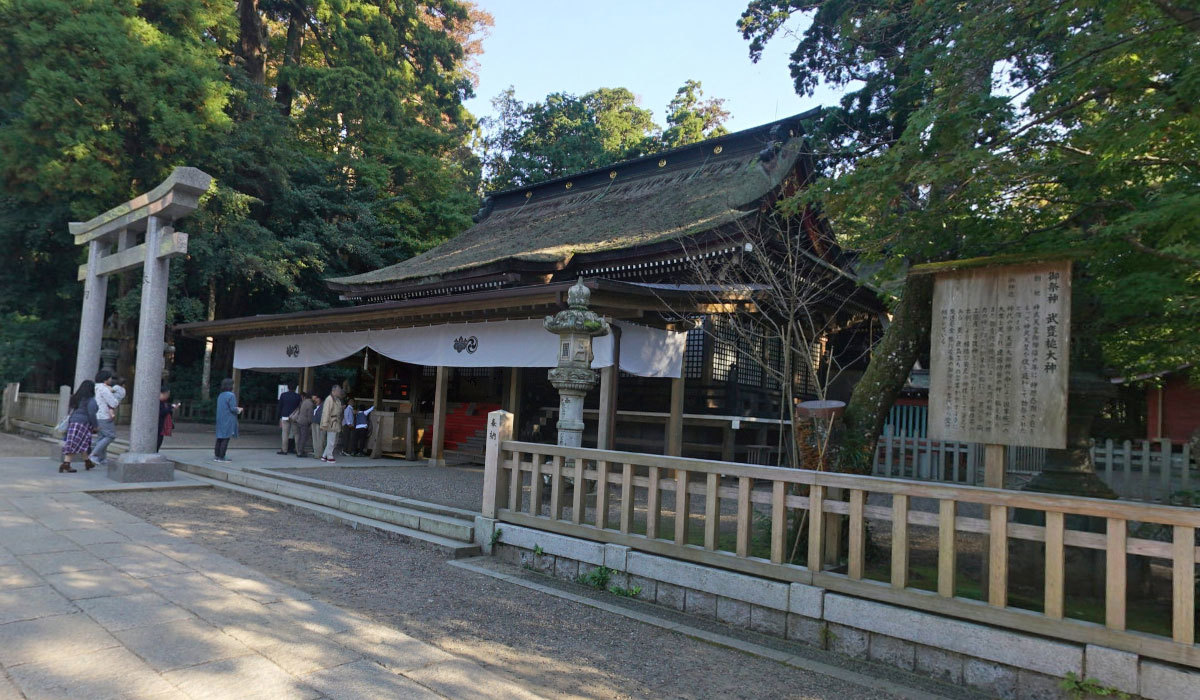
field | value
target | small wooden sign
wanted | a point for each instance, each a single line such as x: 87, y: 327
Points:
x: 998, y: 361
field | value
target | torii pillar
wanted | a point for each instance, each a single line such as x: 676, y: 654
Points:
x: 155, y: 213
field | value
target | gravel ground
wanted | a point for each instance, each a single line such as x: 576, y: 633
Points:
x: 557, y: 647
x: 464, y: 488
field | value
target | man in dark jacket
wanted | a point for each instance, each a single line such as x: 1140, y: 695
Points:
x: 289, y: 401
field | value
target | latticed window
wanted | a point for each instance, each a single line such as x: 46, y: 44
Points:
x: 725, y: 348
x: 693, y: 352
x: 774, y: 361
x: 750, y: 357
x: 805, y: 369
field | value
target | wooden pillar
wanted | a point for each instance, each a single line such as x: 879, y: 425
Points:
x: 727, y: 436
x: 437, y: 455
x: 605, y: 431
x: 237, y: 383
x: 993, y: 477
x: 993, y: 466
x: 675, y: 420
x: 377, y: 397
x: 512, y: 394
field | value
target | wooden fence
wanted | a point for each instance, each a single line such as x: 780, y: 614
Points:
x: 194, y: 412
x: 37, y: 408
x: 1154, y: 471
x: 908, y: 420
x: 634, y: 495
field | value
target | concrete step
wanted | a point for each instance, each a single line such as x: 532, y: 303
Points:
x: 454, y: 457
x: 455, y: 549
x: 423, y: 521
x: 433, y: 508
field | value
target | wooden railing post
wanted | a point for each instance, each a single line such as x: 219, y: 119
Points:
x: 744, y: 516
x: 1055, y: 560
x: 816, y: 526
x: 712, y: 511
x: 947, y: 547
x: 627, y: 505
x: 899, y: 540
x: 857, y: 532
x: 683, y: 507
x: 499, y: 430
x: 1183, y: 577
x: 998, y: 556
x: 1114, y: 586
x: 556, y: 488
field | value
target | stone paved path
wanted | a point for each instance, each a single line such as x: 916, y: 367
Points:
x: 96, y: 603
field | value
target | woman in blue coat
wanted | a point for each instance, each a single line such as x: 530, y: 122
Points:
x: 227, y: 420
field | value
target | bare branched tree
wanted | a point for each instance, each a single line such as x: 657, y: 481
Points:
x: 782, y: 285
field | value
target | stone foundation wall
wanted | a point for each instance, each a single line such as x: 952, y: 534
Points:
x: 1001, y: 662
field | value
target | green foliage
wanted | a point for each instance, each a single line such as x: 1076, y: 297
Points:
x: 1089, y: 687
x: 530, y: 143
x: 348, y: 151
x: 597, y: 578
x: 689, y: 119
x: 496, y: 535
x: 984, y: 128
x: 563, y: 134
x: 22, y: 345
x: 631, y: 592
x: 538, y: 551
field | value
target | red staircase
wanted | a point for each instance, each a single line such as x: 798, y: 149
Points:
x: 463, y: 422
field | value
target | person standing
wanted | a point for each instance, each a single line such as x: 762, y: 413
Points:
x: 166, y: 415
x: 362, y: 431
x: 110, y: 392
x: 347, y: 440
x: 318, y: 436
x: 80, y: 424
x: 227, y: 420
x: 331, y: 419
x: 288, y: 401
x: 302, y: 420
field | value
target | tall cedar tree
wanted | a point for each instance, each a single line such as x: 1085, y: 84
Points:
x: 335, y: 131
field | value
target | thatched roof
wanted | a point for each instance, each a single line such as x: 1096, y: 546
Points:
x: 653, y: 199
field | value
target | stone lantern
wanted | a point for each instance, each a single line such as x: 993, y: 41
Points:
x: 574, y: 376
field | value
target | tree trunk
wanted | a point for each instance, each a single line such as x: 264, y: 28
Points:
x: 891, y: 363
x: 251, y: 40
x: 206, y: 372
x: 285, y: 92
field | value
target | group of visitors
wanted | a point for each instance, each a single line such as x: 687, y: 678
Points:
x: 305, y: 419
x: 92, y: 411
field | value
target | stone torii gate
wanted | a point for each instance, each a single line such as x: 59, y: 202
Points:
x: 153, y: 213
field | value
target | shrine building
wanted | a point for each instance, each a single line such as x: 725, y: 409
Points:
x: 440, y: 339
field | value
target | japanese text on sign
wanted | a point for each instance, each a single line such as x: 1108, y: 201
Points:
x: 998, y: 370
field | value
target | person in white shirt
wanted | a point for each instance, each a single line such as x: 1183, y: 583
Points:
x: 109, y: 394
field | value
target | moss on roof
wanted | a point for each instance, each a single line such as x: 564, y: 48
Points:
x: 638, y: 211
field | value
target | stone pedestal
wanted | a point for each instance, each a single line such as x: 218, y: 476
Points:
x: 574, y: 376
x: 134, y: 468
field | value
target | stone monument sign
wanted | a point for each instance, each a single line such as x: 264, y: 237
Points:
x: 999, y: 354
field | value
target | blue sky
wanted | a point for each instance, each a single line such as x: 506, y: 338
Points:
x: 651, y: 47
